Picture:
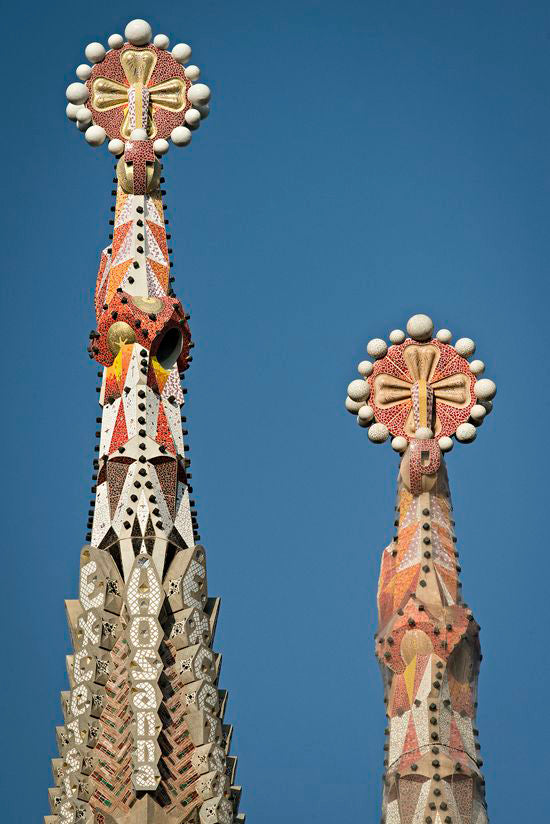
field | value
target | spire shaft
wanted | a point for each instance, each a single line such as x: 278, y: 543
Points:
x: 423, y: 391
x: 428, y: 648
x: 144, y: 738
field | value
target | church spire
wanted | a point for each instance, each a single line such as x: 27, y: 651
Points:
x: 423, y: 392
x: 144, y: 738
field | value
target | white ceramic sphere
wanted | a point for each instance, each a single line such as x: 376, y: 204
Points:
x: 192, y: 118
x: 203, y: 110
x: 444, y: 336
x: 138, y: 134
x: 365, y: 368
x: 181, y: 136
x: 424, y: 433
x: 181, y: 52
x: 353, y: 406
x: 161, y: 146
x: 359, y: 390
x: 161, y: 41
x: 138, y: 32
x: 84, y: 115
x: 399, y: 443
x: 485, y: 389
x: 77, y: 93
x: 420, y: 327
x: 378, y: 433
x: 95, y: 135
x: 82, y: 125
x: 366, y: 414
x: 477, y: 412
x: 83, y: 72
x: 488, y: 406
x: 397, y: 336
x: 477, y: 367
x: 116, y: 146
x: 445, y: 443
x: 71, y: 111
x: 466, y: 432
x: 192, y: 73
x: 377, y: 348
x: 465, y: 347
x: 95, y: 52
x: 116, y: 41
x: 199, y: 93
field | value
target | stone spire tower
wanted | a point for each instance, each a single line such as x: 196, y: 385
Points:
x: 144, y: 739
x: 423, y: 391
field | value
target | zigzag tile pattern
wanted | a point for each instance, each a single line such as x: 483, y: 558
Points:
x: 428, y: 647
x: 143, y: 738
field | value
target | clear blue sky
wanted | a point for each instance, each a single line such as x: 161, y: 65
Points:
x: 363, y: 161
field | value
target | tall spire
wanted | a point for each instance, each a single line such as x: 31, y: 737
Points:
x: 144, y: 738
x: 424, y: 392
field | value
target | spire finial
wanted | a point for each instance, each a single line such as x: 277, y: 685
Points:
x: 421, y: 388
x: 137, y: 92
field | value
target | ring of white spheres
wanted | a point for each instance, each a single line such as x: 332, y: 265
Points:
x: 485, y: 389
x: 95, y: 52
x: 444, y: 336
x: 77, y: 93
x: 365, y: 368
x: 397, y: 336
x: 445, y: 443
x: 378, y: 433
x: 358, y: 390
x: 161, y: 146
x: 83, y: 72
x: 181, y: 52
x: 399, y: 443
x: 365, y: 414
x: 116, y: 146
x: 161, y: 41
x: 353, y: 406
x: 95, y: 135
x: 377, y: 348
x: 138, y: 32
x: 477, y: 412
x: 466, y: 432
x: 465, y: 347
x: 420, y: 327
x: 181, y: 136
x: 115, y: 41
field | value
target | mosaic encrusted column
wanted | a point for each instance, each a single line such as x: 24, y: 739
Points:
x: 423, y: 391
x: 143, y: 738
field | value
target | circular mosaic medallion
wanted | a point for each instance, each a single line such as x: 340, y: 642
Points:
x: 422, y: 379
x: 134, y: 87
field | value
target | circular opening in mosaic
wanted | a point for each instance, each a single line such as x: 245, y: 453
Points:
x: 169, y: 348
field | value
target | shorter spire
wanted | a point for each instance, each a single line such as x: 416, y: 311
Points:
x: 424, y: 392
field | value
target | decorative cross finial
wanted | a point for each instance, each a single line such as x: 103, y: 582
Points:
x: 421, y: 389
x: 138, y: 95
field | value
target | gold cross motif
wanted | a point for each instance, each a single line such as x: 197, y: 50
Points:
x: 138, y: 67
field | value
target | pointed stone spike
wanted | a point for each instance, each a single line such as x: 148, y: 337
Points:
x: 147, y: 811
x: 212, y: 610
x: 57, y: 764
x: 73, y: 611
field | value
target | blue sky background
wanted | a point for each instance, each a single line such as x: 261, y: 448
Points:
x: 363, y: 161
